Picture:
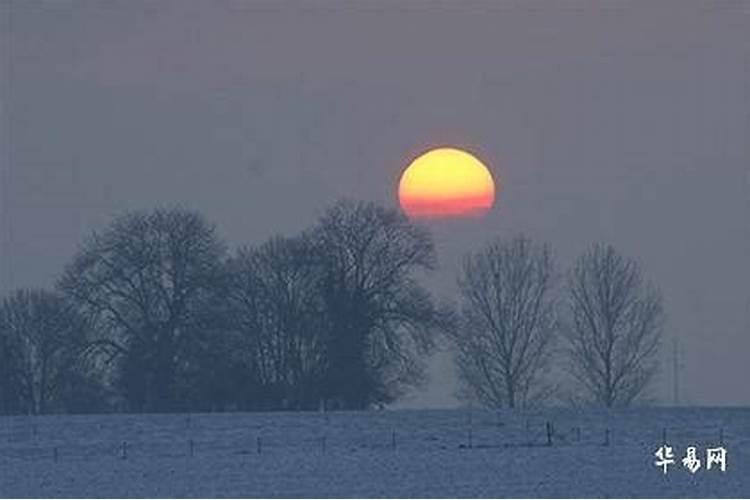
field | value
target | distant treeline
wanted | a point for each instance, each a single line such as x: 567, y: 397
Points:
x: 154, y: 314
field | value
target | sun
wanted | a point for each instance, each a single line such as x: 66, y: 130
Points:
x: 446, y: 182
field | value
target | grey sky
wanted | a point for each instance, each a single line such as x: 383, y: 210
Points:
x: 619, y: 122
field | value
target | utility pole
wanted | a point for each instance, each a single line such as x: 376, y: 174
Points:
x: 675, y: 373
x: 747, y: 255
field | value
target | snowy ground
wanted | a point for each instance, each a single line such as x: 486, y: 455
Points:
x: 353, y: 454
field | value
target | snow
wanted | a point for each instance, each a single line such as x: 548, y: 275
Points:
x: 351, y: 454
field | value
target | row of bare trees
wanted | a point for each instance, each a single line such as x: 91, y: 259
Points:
x: 155, y: 314
x: 605, y: 326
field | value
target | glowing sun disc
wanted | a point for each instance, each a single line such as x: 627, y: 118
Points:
x: 446, y: 182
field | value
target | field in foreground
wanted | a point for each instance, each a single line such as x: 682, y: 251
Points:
x: 450, y: 453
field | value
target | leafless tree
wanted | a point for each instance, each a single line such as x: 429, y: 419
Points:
x: 144, y: 280
x: 507, y: 322
x: 278, y: 312
x: 614, y: 327
x: 379, y: 317
x: 42, y: 341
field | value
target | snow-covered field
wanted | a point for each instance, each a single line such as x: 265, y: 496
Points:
x: 372, y: 454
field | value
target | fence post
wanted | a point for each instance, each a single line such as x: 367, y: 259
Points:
x: 606, y: 437
x: 471, y: 425
x: 549, y: 434
x: 527, y: 429
x: 393, y: 439
x: 192, y: 447
x: 124, y: 450
x: 259, y: 447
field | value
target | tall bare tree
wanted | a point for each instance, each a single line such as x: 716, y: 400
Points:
x: 278, y: 313
x: 145, y: 280
x: 42, y: 343
x: 615, y: 327
x: 507, y: 322
x: 379, y: 317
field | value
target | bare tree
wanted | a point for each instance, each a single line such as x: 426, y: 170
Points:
x: 278, y: 312
x: 145, y: 280
x: 379, y: 318
x: 11, y: 400
x: 506, y: 323
x: 42, y: 342
x: 614, y: 328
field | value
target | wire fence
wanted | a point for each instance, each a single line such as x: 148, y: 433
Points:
x: 137, y: 437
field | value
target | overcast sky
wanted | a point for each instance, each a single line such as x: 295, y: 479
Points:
x: 621, y: 122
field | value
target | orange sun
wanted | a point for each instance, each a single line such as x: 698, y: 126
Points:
x: 446, y: 182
